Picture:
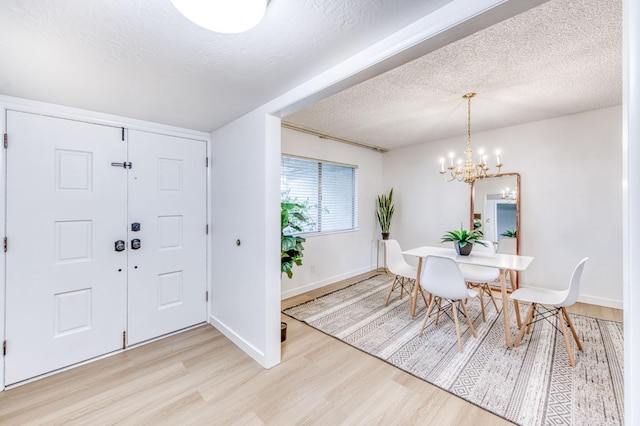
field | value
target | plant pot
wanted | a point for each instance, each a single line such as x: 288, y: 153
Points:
x: 385, y: 235
x: 463, y: 251
x: 283, y: 331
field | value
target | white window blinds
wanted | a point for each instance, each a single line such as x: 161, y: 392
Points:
x: 330, y: 191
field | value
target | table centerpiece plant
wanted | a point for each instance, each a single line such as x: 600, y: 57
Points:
x: 464, y: 240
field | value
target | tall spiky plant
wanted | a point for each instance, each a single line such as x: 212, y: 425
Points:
x: 385, y: 211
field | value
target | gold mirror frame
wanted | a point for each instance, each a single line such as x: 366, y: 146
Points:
x: 472, y: 203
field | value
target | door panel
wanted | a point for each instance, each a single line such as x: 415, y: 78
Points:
x: 66, y: 205
x: 167, y: 196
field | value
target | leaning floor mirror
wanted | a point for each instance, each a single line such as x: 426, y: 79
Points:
x: 495, y: 210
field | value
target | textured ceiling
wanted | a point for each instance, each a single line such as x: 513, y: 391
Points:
x: 142, y: 59
x: 563, y: 57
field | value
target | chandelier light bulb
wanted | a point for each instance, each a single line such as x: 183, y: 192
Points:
x: 223, y: 16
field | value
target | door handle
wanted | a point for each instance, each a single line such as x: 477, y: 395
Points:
x: 119, y: 245
x: 124, y: 165
x: 135, y: 244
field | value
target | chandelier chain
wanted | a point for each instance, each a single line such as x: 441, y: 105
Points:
x: 469, y: 122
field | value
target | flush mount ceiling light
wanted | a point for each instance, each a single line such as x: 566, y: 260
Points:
x: 223, y: 16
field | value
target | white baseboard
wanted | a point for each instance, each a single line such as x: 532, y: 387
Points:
x: 247, y: 347
x: 592, y: 300
x: 600, y: 301
x: 318, y: 284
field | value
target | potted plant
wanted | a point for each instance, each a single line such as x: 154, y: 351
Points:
x: 509, y: 233
x: 293, y: 217
x: 385, y: 213
x: 464, y: 240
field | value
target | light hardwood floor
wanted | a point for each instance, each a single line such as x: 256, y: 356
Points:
x: 199, y: 377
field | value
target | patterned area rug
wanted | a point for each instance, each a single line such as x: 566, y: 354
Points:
x: 532, y: 384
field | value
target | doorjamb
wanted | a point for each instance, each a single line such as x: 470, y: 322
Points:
x: 3, y: 221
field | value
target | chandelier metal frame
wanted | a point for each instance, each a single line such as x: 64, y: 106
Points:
x: 469, y: 171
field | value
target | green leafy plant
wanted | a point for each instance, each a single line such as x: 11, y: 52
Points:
x: 509, y: 233
x: 293, y: 217
x: 385, y: 211
x: 464, y: 237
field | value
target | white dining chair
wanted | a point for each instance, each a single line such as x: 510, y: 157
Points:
x: 405, y: 274
x: 442, y: 278
x: 480, y: 277
x: 540, y: 298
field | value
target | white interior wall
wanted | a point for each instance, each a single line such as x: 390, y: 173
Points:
x: 631, y: 207
x: 245, y: 182
x: 337, y: 255
x: 571, y: 197
x: 447, y: 24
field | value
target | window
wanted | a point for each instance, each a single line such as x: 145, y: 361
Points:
x: 330, y: 191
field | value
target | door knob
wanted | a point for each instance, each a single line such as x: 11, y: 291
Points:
x: 135, y: 244
x: 119, y: 245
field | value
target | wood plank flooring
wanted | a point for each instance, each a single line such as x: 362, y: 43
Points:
x: 200, y: 378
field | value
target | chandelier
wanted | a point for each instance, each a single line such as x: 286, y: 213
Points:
x: 468, y: 171
x: 509, y: 195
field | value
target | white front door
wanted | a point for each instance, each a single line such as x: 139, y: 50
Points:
x: 66, y: 207
x: 71, y: 292
x: 167, y: 198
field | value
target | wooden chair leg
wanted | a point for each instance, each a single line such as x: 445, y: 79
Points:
x: 530, y: 322
x: 525, y: 324
x: 464, y: 309
x: 455, y: 318
x: 426, y: 317
x: 563, y: 328
x: 514, y: 280
x: 516, y: 308
x: 401, y: 287
x: 393, y: 287
x: 573, y: 330
x: 424, y: 297
x: 438, y: 313
x: 493, y: 299
x: 484, y: 319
